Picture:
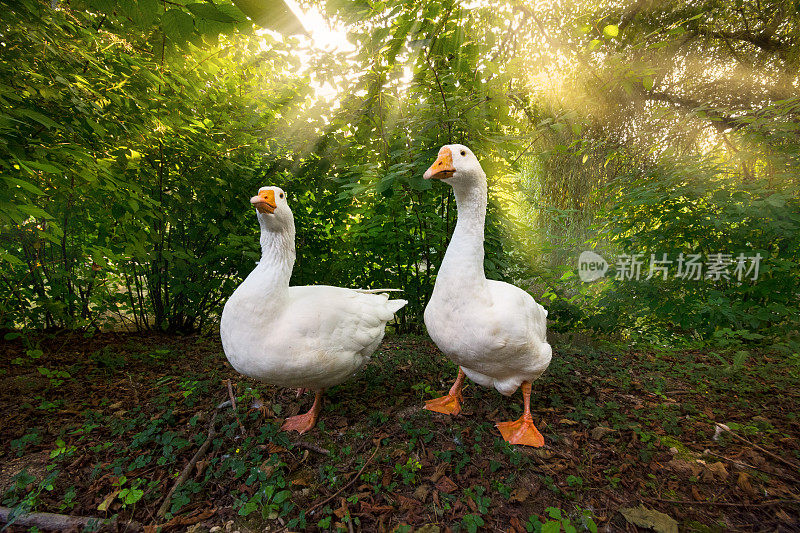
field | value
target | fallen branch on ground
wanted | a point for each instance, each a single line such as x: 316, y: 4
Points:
x: 751, y: 467
x: 233, y: 405
x: 756, y: 446
x: 335, y: 494
x: 188, y: 469
x: 312, y: 447
x: 61, y: 522
x: 727, y: 504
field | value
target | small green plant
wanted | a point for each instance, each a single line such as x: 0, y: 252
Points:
x: 737, y: 361
x: 23, y: 500
x: 31, y: 437
x: 49, y: 405
x: 558, y: 519
x: 610, y: 475
x: 68, y: 501
x: 31, y: 355
x: 424, y: 390
x: 477, y: 495
x: 131, y: 495
x: 503, y: 489
x: 106, y: 358
x: 56, y: 377
x: 62, y: 450
x: 575, y: 481
x: 326, y: 522
x: 408, y: 471
x: 471, y: 523
x: 266, y: 500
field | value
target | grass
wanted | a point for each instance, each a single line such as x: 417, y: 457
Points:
x: 102, y: 426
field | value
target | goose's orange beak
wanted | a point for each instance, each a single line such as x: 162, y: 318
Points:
x: 443, y: 167
x: 264, y: 202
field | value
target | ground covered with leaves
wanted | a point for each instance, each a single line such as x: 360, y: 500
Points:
x: 105, y: 425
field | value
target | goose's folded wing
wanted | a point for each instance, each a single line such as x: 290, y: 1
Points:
x: 335, y: 319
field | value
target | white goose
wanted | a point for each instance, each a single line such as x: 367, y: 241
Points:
x: 494, y: 331
x: 307, y: 337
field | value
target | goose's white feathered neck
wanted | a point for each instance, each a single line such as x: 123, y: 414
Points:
x: 464, y: 257
x: 277, y: 252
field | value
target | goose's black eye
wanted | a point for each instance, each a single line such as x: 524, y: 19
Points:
x: 463, y: 152
x: 281, y: 195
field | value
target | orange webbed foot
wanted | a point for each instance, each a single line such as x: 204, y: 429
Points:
x: 300, y: 423
x: 521, y: 431
x: 449, y: 404
x: 306, y: 421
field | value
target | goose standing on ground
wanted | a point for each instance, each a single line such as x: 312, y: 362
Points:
x: 311, y: 337
x: 494, y: 332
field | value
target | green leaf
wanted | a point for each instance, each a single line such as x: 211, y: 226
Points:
x: 648, y: 82
x: 177, y: 24
x: 47, y: 122
x: 776, y: 200
x: 44, y: 167
x: 141, y: 12
x: 209, y: 12
x: 551, y: 526
x: 420, y: 184
x: 385, y: 184
x: 281, y: 496
x: 30, y: 187
x: 611, y: 31
x: 34, y: 211
x: 131, y: 496
x: 232, y: 11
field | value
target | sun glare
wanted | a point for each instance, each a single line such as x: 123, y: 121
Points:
x: 325, y: 34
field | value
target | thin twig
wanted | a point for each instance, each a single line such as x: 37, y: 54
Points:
x: 312, y: 447
x: 233, y: 406
x: 315, y: 506
x: 335, y: 494
x: 751, y: 467
x: 756, y: 446
x: 527, y: 147
x: 444, y: 100
x: 726, y: 504
x: 188, y: 469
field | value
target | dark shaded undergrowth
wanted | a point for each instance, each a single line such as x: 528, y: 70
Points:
x: 103, y: 426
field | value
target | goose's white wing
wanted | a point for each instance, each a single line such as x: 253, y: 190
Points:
x: 335, y: 319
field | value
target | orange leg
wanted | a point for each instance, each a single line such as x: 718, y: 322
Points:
x: 522, y: 431
x: 450, y: 404
x: 304, y: 422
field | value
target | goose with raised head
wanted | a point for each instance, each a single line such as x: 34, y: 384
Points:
x: 495, y: 332
x: 311, y: 337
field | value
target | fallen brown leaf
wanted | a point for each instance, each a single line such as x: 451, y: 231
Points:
x: 446, y: 485
x: 743, y: 482
x: 519, y: 495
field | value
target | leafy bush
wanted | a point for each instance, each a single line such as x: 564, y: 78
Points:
x: 125, y: 167
x: 694, y: 207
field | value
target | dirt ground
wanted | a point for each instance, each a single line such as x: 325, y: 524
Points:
x: 103, y: 426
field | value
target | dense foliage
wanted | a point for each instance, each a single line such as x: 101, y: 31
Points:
x: 132, y: 135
